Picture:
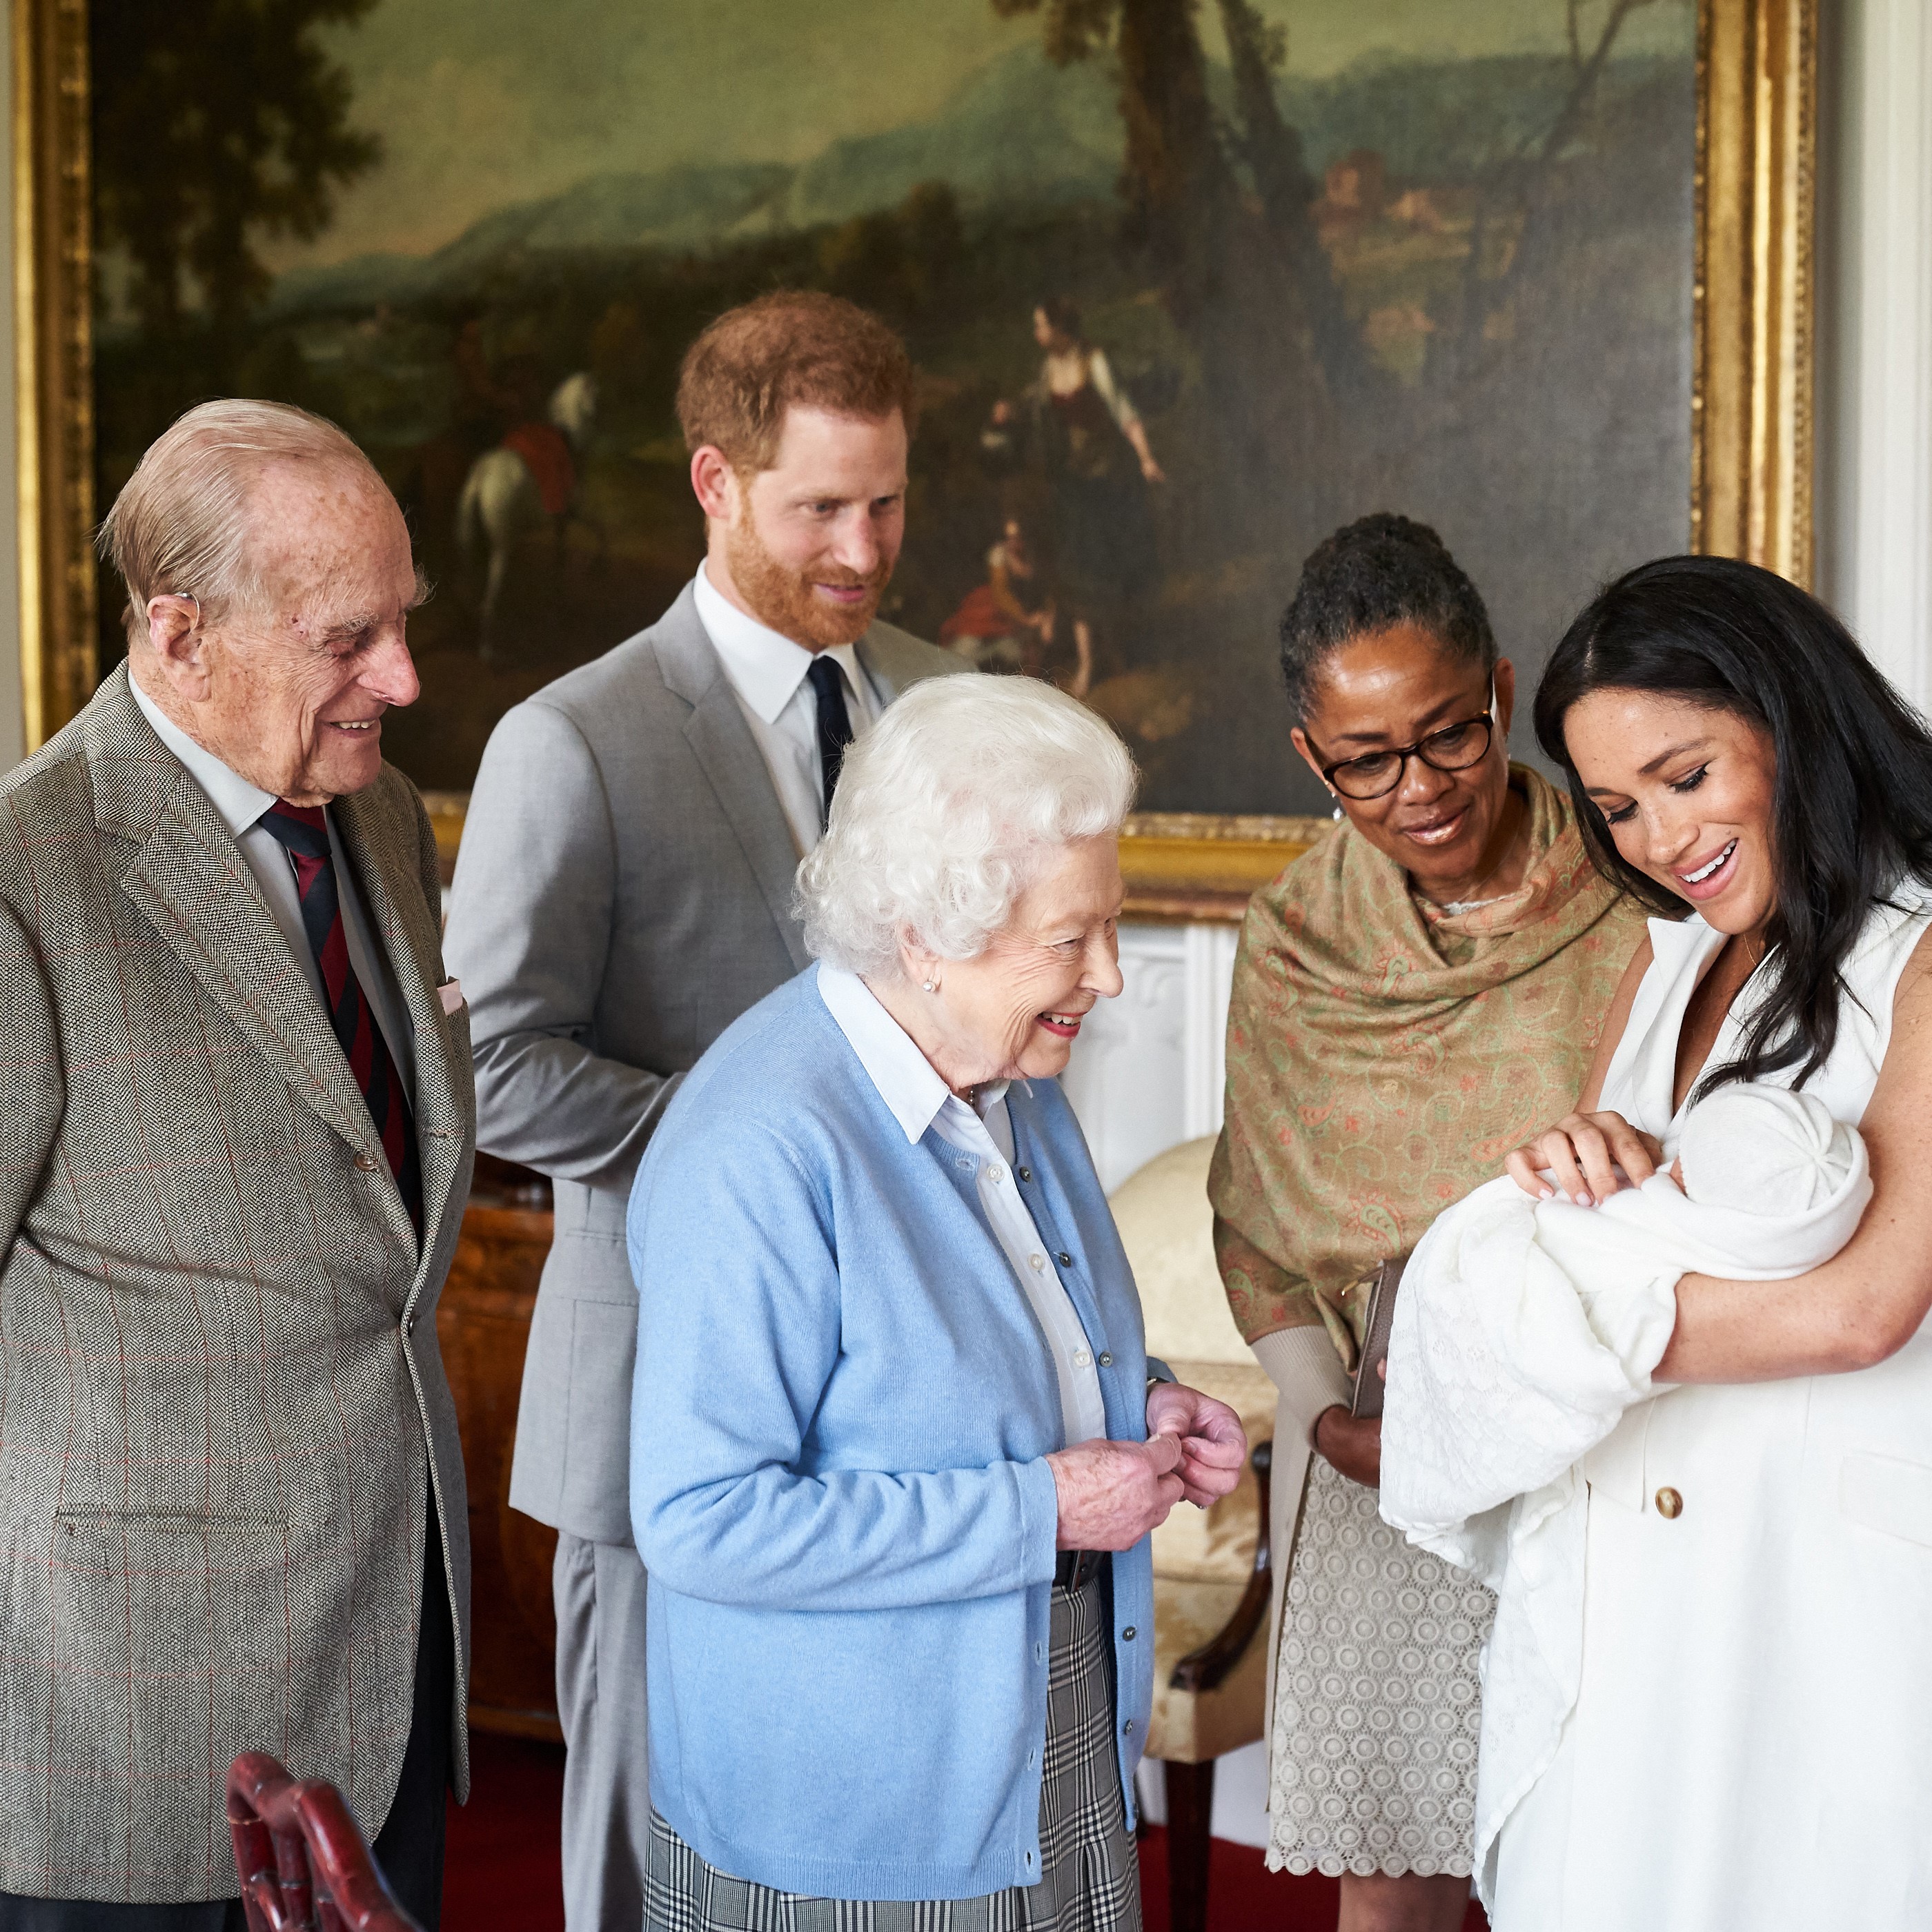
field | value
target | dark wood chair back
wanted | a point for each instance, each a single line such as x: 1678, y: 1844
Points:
x: 303, y: 1862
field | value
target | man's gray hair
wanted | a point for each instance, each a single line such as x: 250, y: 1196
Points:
x: 180, y: 523
x: 948, y: 809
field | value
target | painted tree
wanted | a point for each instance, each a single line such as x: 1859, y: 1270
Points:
x: 1272, y: 150
x: 217, y: 124
x: 1226, y: 284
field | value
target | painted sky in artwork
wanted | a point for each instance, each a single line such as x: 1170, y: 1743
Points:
x: 481, y: 103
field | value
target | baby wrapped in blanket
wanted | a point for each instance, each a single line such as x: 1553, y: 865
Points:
x: 1525, y: 1329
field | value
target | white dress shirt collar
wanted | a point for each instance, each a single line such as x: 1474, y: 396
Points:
x: 765, y: 667
x: 240, y: 806
x: 239, y: 803
x: 906, y: 1079
x: 983, y: 1135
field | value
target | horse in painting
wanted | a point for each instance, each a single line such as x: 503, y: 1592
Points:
x: 528, y: 481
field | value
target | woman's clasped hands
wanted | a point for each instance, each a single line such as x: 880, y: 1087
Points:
x: 1112, y: 1494
x: 1585, y: 1158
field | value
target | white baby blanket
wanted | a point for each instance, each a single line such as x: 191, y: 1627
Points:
x: 1525, y: 1329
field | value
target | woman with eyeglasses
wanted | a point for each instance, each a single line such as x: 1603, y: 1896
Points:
x: 1410, y: 998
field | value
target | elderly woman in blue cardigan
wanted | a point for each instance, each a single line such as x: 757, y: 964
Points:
x: 896, y: 1445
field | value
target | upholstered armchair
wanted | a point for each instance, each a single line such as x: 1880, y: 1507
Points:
x: 1211, y: 1569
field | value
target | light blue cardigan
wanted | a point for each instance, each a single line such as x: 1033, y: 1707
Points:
x: 841, y: 1408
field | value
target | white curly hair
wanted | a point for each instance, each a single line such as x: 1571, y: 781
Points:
x: 947, y: 809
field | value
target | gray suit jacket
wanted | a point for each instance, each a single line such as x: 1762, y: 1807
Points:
x: 222, y: 1409
x: 623, y: 895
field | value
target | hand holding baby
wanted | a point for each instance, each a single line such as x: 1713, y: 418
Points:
x: 1582, y: 1156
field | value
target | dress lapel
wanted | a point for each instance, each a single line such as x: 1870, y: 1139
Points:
x: 729, y: 755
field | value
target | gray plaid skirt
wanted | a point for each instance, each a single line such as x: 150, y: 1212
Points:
x: 1091, y: 1882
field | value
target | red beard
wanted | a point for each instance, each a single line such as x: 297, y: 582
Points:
x: 783, y: 600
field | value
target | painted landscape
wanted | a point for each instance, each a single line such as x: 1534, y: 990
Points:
x: 1334, y: 256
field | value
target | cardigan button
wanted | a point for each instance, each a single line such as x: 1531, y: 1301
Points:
x: 1129, y: 1727
x: 1026, y: 1174
x: 1106, y: 1360
x: 1064, y: 1259
x: 1127, y: 1635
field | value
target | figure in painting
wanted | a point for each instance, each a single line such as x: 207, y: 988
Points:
x: 1081, y: 431
x: 528, y: 481
x: 1008, y: 621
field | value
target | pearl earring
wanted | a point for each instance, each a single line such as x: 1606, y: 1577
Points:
x: 929, y: 986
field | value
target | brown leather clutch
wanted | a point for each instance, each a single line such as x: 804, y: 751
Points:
x: 1368, y: 1402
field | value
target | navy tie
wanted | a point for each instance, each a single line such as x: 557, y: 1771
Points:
x: 303, y: 830
x: 835, y: 722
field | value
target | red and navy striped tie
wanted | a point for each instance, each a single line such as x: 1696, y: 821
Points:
x: 304, y: 830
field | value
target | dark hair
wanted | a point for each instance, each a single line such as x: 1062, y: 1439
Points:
x: 1852, y: 797
x: 1062, y: 312
x: 1377, y: 571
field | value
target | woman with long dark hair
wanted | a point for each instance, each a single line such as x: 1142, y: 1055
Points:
x: 1749, y: 1745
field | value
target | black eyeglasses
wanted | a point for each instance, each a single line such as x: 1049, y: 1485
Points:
x: 1453, y: 748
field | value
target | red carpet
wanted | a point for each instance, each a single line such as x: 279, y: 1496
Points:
x: 502, y: 1871
x: 502, y: 1868
x: 1244, y: 1896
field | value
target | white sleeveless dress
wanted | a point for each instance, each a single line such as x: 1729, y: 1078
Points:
x: 1751, y: 1747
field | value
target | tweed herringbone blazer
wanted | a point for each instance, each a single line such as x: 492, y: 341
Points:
x: 223, y: 1413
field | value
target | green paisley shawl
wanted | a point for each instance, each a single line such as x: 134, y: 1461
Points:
x: 1384, y: 1056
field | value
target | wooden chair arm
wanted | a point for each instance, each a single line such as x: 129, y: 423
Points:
x: 300, y: 1856
x: 1205, y: 1669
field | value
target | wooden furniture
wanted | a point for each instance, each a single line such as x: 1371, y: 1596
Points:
x: 303, y: 1864
x: 483, y: 1323
x: 1212, y: 1572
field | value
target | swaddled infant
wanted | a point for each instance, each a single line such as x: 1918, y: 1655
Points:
x: 1526, y: 1328
x: 1524, y: 1331
x: 1771, y: 1186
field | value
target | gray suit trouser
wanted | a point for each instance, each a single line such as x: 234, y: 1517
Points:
x: 600, y: 1697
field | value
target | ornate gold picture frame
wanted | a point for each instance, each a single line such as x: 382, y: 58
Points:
x: 1750, y: 357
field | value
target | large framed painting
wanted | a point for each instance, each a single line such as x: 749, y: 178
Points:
x: 1189, y: 282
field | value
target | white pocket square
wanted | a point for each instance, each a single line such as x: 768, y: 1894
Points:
x: 451, y: 994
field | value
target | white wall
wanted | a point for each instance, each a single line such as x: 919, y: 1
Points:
x: 1148, y: 1069
x: 1874, y: 396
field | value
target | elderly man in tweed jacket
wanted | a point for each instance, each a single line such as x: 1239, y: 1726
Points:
x: 237, y: 1141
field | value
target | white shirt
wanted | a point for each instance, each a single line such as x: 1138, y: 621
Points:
x: 240, y: 806
x: 983, y: 1142
x: 767, y: 672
